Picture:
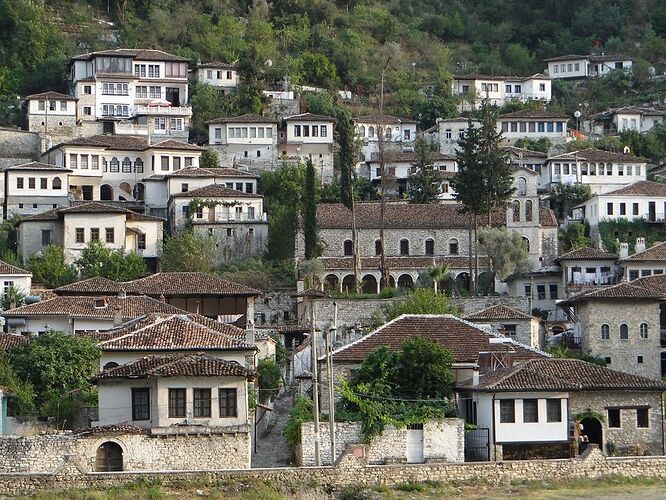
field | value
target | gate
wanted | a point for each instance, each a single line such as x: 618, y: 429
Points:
x: 477, y: 445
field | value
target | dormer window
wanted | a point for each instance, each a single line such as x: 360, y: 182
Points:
x: 100, y: 303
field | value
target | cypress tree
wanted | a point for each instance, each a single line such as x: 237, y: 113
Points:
x: 310, y: 212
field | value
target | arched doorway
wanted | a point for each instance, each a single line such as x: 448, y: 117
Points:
x: 139, y: 191
x: 405, y: 281
x: 348, y: 285
x: 109, y: 457
x: 463, y: 282
x: 591, y: 427
x: 331, y: 282
x: 106, y: 192
x: 486, y: 283
x: 126, y: 188
x: 369, y: 284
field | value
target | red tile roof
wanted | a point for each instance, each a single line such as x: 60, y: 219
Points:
x: 656, y: 282
x: 129, y: 143
x: 463, y: 339
x: 533, y: 114
x: 384, y: 119
x: 139, y: 54
x: 247, y: 118
x: 102, y: 307
x: 50, y: 94
x: 622, y: 291
x: 596, y: 155
x: 640, y: 188
x: 9, y: 341
x: 562, y: 375
x: 176, y: 332
x: 89, y: 207
x: 654, y: 253
x: 211, y: 172
x: 179, y: 365
x: 588, y: 253
x: 6, y: 268
x: 372, y: 263
x: 497, y: 312
x: 309, y: 117
x: 37, y: 165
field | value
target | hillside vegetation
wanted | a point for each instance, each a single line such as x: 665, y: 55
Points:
x: 336, y: 44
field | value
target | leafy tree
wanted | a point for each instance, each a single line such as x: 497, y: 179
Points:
x: 438, y: 273
x: 541, y: 145
x: 209, y: 159
x: 566, y: 196
x: 13, y: 295
x: 251, y: 81
x: 49, y: 267
x: 317, y: 69
x: 505, y: 250
x: 310, y: 212
x: 420, y: 301
x: 300, y: 413
x: 99, y: 260
x: 573, y: 237
x: 270, y: 380
x: 209, y: 103
x: 24, y: 395
x: 188, y: 250
x: 561, y: 351
x: 319, y: 103
x: 423, y: 183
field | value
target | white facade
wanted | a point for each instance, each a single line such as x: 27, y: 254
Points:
x: 35, y: 187
x: 399, y: 134
x: 221, y: 75
x: 308, y: 136
x: 579, y: 67
x: 246, y: 139
x: 499, y: 90
x: 532, y: 124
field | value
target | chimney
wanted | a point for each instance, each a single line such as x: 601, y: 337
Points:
x: 12, y: 302
x: 624, y: 250
x: 117, y: 316
x: 640, y: 245
x: 249, y: 333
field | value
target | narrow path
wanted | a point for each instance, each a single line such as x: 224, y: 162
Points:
x: 272, y: 448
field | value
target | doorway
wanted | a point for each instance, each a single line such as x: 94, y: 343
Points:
x: 173, y: 96
x: 652, y: 212
x: 415, y: 444
x: 109, y: 457
x: 593, y: 430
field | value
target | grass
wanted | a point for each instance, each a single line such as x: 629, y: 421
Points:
x: 580, y: 488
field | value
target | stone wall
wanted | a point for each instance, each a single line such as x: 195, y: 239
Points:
x: 443, y: 440
x: 21, y: 144
x: 44, y: 453
x: 352, y: 468
x: 275, y: 308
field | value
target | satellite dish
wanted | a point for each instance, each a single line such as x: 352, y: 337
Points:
x: 268, y: 63
x: 577, y: 114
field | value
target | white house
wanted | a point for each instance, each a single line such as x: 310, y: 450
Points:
x: 250, y: 140
x: 580, y: 67
x: 603, y: 171
x: 308, y: 136
x: 644, y: 200
x: 53, y: 116
x: 498, y: 90
x: 235, y: 219
x: 34, y: 187
x: 79, y: 314
x: 75, y: 226
x: 132, y: 92
x: 399, y: 133
x: 533, y: 124
x: 13, y: 276
x: 586, y: 267
x: 614, y: 121
x: 450, y: 131
x: 110, y: 167
x: 218, y: 74
x: 645, y: 261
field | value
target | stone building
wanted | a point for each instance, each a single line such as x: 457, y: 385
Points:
x: 620, y: 324
x: 248, y: 140
x: 645, y: 262
x: 32, y: 188
x: 529, y: 409
x: 510, y: 322
x: 53, y: 116
x: 588, y: 267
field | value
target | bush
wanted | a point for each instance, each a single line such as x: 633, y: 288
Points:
x: 270, y: 380
x: 420, y: 301
x: 300, y: 413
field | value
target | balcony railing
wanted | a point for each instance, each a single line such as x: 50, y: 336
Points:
x: 164, y: 110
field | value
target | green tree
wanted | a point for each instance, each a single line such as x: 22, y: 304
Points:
x: 49, y: 267
x: 310, y: 212
x: 541, y: 145
x: 438, y: 273
x: 13, y: 296
x: 188, y: 250
x: 420, y: 301
x: 505, y: 250
x: 317, y: 69
x: 423, y: 183
x: 99, y: 260
x: 251, y: 81
x: 573, y: 237
x: 209, y: 159
x: 566, y: 196
x: 24, y: 395
x: 270, y: 380
x: 209, y: 103
x: 319, y: 103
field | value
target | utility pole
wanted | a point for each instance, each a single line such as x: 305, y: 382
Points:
x: 384, y: 281
x: 315, y: 383
x: 332, y: 334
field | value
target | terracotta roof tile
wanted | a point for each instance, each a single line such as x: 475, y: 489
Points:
x: 140, y: 54
x: 52, y: 95
x: 6, y: 268
x: 497, y: 312
x: 654, y: 253
x: 215, y: 64
x: 412, y: 158
x: 596, y: 155
x: 309, y: 117
x: 175, y: 332
x: 562, y: 375
x: 215, y: 191
x: 462, y: 339
x: 210, y: 172
x: 129, y: 143
x: 384, y: 119
x: 247, y: 118
x: 37, y: 165
x: 567, y: 57
x: 181, y: 365
x: 656, y: 282
x: 622, y: 291
x: 587, y: 253
x: 111, y: 429
x: 9, y: 341
x: 533, y: 114
x: 640, y: 188
x: 524, y: 152
x: 172, y: 144
x: 89, y: 307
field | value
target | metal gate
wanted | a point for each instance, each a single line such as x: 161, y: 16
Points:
x: 477, y: 445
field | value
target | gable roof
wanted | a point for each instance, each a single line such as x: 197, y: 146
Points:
x: 498, y: 311
x: 128, y: 143
x: 6, y: 268
x: 216, y: 64
x: 654, y: 253
x: 640, y: 188
x: 164, y: 283
x: 215, y: 191
x: 567, y: 57
x: 524, y: 152
x: 86, y: 307
x: 309, y: 117
x: 623, y: 291
x: 175, y: 332
x: 412, y: 158
x: 211, y: 172
x: 596, y: 155
x: 555, y: 374
x: 50, y: 94
x: 656, y: 282
x: 179, y: 365
x: 89, y: 207
x: 383, y: 119
x: 9, y: 341
x: 588, y: 253
x: 38, y: 165
x: 140, y: 54
x: 464, y: 340
x: 246, y: 118
x: 533, y: 113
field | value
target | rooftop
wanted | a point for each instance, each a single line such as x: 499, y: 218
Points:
x: 588, y: 253
x: 215, y: 191
x: 37, y: 165
x: 89, y: 207
x: 309, y: 117
x: 402, y: 262
x: 129, y: 143
x: 383, y: 119
x: 140, y: 54
x: 9, y: 341
x: 533, y: 113
x: 6, y: 268
x: 524, y: 152
x: 50, y: 94
x: 179, y: 365
x: 596, y: 155
x: 247, y: 118
x: 497, y: 312
x: 463, y: 339
x: 554, y: 374
x: 656, y: 252
x: 640, y: 188
x: 623, y: 291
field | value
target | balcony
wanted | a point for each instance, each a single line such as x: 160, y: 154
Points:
x: 125, y: 128
x: 163, y: 110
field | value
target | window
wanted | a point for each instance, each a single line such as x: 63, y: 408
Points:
x: 624, y: 332
x: 228, y: 75
x: 138, y: 165
x: 19, y: 183
x: 348, y: 247
x: 188, y: 161
x: 141, y: 92
x: 202, y: 403
x: 63, y: 105
x: 127, y: 165
x: 643, y: 331
x: 153, y: 71
x: 141, y: 404
x: 541, y: 292
x: 177, y: 403
x: 509, y: 330
x: 87, y: 110
x: 378, y: 247
x: 46, y: 237
x: 530, y: 410
x: 639, y: 360
x: 623, y: 209
x: 642, y: 418
x: 176, y: 163
x: 230, y: 232
x: 164, y: 163
x: 176, y: 124
x: 43, y: 183
x: 228, y: 406
x: 430, y: 247
x: 141, y: 241
x: 528, y: 290
x: 542, y: 87
x: 115, y: 165
x: 323, y: 131
x: 620, y: 170
x: 94, y: 234
x: 605, y: 332
x: 633, y: 274
x: 31, y: 183
x: 110, y: 235
x: 80, y: 235
x: 140, y: 70
x: 609, y: 208
x: 614, y: 417
x: 507, y: 89
x: 507, y: 411
x: 404, y: 247
x: 52, y: 105
x: 249, y: 187
x: 41, y: 105
x: 250, y: 213
x: 553, y: 410
x: 553, y: 291
x: 453, y: 247
x: 297, y: 130
x: 635, y: 209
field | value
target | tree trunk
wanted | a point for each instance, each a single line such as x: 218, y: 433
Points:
x: 471, y: 253
x: 355, y: 249
x: 476, y: 255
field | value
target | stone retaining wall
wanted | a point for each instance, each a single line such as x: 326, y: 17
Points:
x: 352, y: 468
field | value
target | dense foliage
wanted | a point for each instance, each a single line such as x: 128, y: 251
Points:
x: 270, y: 380
x: 188, y: 250
x: 420, y: 301
x: 99, y: 260
x: 622, y: 230
x: 506, y: 251
x: 49, y: 267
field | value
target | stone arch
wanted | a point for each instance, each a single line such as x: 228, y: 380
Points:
x: 348, y: 248
x: 331, y: 282
x: 109, y: 457
x: 369, y: 284
x: 106, y: 192
x: 361, y: 130
x: 515, y: 208
x: 454, y: 247
x: 371, y: 131
x: 486, y: 283
x: 526, y: 243
x: 592, y: 428
x: 348, y: 284
x: 405, y: 281
x: 378, y: 246
x: 429, y: 247
x: 528, y: 210
x: 522, y: 186
x: 56, y: 183
x: 463, y: 282
x: 404, y: 246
